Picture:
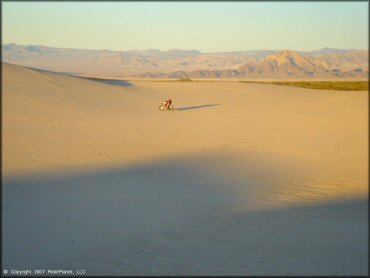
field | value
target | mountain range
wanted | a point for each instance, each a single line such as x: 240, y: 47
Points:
x: 284, y: 64
x: 176, y: 63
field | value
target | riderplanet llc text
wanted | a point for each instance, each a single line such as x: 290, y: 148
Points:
x: 27, y: 272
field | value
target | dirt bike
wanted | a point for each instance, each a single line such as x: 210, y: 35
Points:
x: 163, y: 107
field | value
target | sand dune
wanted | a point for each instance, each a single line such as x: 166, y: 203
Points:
x: 243, y: 179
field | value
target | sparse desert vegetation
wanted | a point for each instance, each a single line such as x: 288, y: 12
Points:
x: 321, y: 85
x: 185, y: 80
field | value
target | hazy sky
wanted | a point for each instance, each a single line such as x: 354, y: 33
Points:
x: 206, y: 26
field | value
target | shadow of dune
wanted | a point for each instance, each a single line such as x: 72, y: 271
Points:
x: 196, y: 107
x: 173, y: 217
x: 113, y: 82
x: 50, y: 71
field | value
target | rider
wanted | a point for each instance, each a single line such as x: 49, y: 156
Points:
x: 167, y: 103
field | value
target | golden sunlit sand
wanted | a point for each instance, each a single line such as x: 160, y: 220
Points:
x: 242, y: 179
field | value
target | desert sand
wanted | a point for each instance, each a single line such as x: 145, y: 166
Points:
x: 242, y: 179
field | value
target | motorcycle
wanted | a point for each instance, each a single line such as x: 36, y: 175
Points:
x: 164, y: 107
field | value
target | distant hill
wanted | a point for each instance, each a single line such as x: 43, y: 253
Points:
x: 358, y: 59
x: 121, y: 63
x: 285, y: 64
x: 177, y: 63
x: 326, y: 51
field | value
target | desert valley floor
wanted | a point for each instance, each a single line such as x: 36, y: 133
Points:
x: 242, y: 179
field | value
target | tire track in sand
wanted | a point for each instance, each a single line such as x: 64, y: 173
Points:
x: 101, y: 153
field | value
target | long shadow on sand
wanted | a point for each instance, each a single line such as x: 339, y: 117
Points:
x: 196, y: 107
x: 139, y: 220
x: 113, y: 82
